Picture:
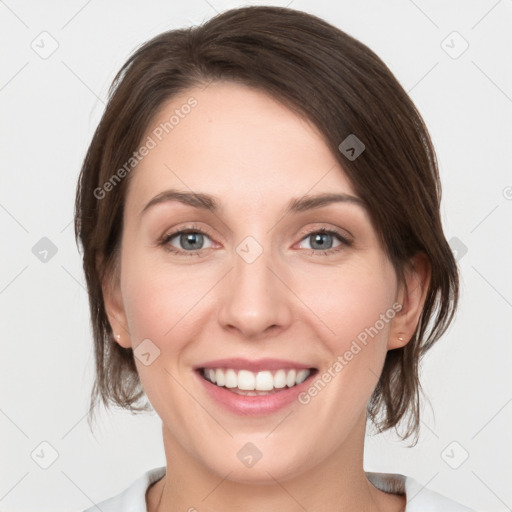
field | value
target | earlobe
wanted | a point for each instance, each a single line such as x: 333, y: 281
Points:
x: 124, y: 341
x: 397, y: 341
x: 412, y: 295
x: 115, y: 311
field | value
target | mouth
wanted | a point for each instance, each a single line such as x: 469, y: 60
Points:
x: 254, y: 388
x: 261, y: 383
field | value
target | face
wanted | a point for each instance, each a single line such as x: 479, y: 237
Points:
x: 260, y: 319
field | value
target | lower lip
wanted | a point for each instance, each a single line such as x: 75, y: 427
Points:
x: 258, y: 405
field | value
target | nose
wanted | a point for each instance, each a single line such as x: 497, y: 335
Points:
x: 255, y: 299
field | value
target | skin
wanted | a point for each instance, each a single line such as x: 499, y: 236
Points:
x: 293, y: 302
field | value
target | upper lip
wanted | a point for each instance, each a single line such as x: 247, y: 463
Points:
x: 254, y: 365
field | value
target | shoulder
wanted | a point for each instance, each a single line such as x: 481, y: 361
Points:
x: 418, y: 497
x: 133, y: 498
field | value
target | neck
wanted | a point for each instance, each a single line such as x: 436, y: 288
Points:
x: 338, y: 483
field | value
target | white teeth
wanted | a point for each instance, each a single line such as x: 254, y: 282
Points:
x: 251, y: 384
x: 230, y: 379
x: 290, y: 378
x: 219, y: 377
x: 280, y: 379
x: 246, y: 380
x: 264, y: 381
x: 302, y: 375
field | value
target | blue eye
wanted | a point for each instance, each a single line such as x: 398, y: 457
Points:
x: 190, y: 242
x: 321, y: 241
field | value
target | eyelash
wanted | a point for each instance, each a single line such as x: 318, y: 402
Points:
x: 195, y: 229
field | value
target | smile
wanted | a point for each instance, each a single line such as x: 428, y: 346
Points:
x: 250, y: 387
x: 248, y: 383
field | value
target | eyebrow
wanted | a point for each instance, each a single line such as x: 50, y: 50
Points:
x: 210, y: 203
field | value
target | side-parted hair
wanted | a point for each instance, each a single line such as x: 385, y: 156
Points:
x: 336, y: 83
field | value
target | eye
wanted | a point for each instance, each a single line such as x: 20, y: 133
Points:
x: 322, y: 241
x: 189, y: 241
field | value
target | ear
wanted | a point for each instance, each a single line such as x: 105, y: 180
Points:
x: 112, y: 299
x: 411, y: 295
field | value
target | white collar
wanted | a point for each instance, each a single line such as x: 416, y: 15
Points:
x: 419, y: 498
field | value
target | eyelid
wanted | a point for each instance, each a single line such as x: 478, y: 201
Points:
x: 303, y: 234
x: 344, y: 234
x: 192, y: 228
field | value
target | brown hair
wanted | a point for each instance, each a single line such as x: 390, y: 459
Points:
x: 339, y: 85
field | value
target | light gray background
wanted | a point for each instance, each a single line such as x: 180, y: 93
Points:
x: 50, y: 107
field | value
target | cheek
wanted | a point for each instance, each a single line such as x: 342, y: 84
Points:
x: 163, y: 303
x: 144, y: 299
x: 159, y: 308
x: 354, y: 303
x: 148, y: 294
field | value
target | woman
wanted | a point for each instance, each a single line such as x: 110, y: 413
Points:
x: 259, y: 217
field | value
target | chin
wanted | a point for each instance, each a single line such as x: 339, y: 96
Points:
x: 262, y: 472
x: 261, y: 461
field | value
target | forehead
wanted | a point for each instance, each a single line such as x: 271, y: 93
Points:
x: 236, y: 143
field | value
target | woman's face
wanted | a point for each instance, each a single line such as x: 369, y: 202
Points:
x: 255, y: 296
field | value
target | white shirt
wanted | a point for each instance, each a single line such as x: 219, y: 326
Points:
x: 419, y: 498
